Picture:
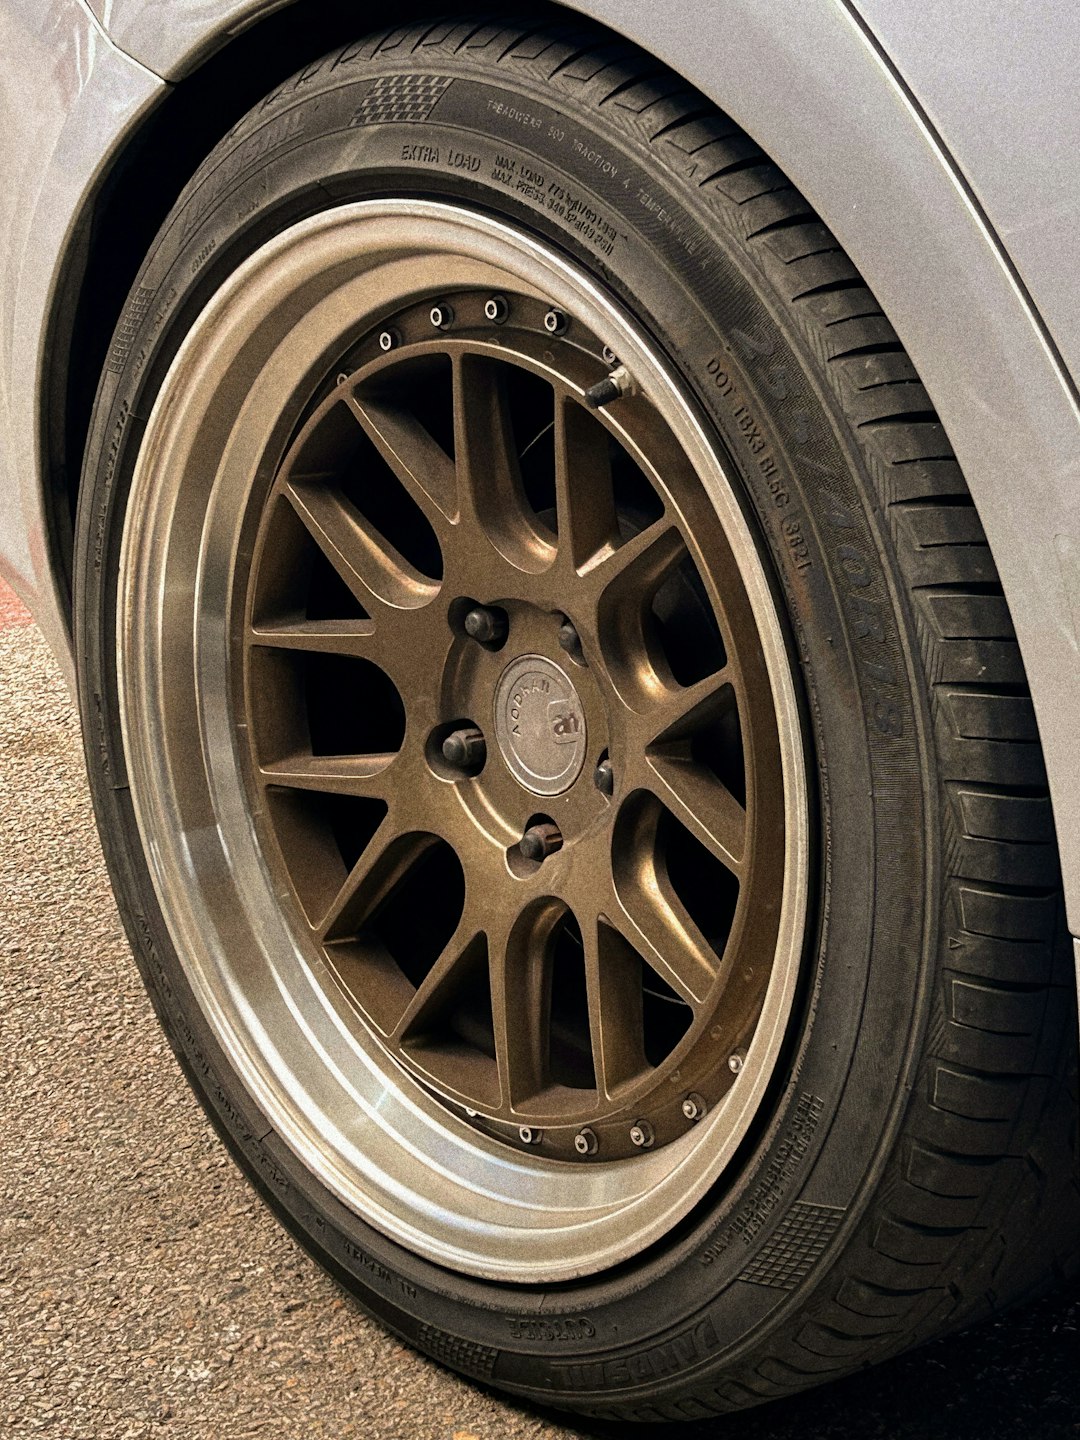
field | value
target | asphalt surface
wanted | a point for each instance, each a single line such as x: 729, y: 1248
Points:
x: 144, y: 1292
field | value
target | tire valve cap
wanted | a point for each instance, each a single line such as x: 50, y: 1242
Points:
x: 388, y: 340
x: 641, y: 1134
x: 465, y: 749
x: 604, y: 778
x: 736, y: 1061
x: 487, y: 625
x: 442, y: 317
x: 612, y: 387
x: 556, y: 322
x: 497, y: 309
x: 529, y: 1136
x: 586, y: 1143
x: 540, y: 841
x: 694, y: 1107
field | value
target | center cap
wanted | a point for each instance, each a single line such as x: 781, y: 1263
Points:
x: 540, y: 725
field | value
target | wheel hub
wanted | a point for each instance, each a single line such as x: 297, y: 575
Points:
x: 540, y: 725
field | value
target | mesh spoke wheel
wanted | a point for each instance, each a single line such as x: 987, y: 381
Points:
x: 496, y: 775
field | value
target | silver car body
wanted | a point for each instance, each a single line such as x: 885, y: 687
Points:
x: 931, y: 137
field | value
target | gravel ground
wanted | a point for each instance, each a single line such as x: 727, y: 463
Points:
x: 145, y: 1293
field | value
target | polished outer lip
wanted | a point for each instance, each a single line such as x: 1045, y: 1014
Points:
x: 385, y: 1146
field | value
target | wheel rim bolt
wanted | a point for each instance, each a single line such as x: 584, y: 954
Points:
x: 442, y: 317
x: 569, y: 638
x: 388, y: 339
x: 556, y: 322
x: 736, y: 1061
x: 540, y: 841
x: 586, y: 1143
x: 497, y: 309
x: 528, y: 1136
x: 604, y: 778
x: 610, y: 358
x: 641, y: 1134
x: 487, y: 624
x: 694, y: 1107
x: 465, y: 749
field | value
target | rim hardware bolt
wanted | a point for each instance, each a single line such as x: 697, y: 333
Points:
x: 556, y: 322
x: 497, y: 309
x: 694, y: 1107
x: 616, y: 384
x: 736, y: 1061
x: 610, y: 358
x: 604, y: 778
x: 465, y: 749
x: 487, y: 625
x: 528, y: 1136
x: 442, y: 317
x: 388, y: 339
x: 586, y: 1143
x: 540, y: 841
x: 641, y: 1134
x: 471, y: 1113
x: 569, y: 639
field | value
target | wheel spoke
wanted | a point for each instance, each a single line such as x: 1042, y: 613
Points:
x: 649, y: 914
x: 613, y: 980
x: 387, y: 859
x: 360, y: 775
x: 324, y: 637
x: 378, y: 576
x: 491, y: 496
x: 704, y: 805
x: 418, y: 461
x: 584, y: 497
x: 521, y: 1000
x: 459, y: 951
x: 675, y: 712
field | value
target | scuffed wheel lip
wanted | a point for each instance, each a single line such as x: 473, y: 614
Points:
x: 374, y: 1136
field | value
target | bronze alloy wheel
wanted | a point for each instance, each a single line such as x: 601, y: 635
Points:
x: 495, y: 727
x: 558, y: 740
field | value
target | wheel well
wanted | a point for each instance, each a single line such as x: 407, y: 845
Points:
x: 121, y: 219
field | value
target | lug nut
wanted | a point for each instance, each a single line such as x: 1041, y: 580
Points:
x: 487, y: 624
x: 497, y: 309
x: 540, y: 841
x: 465, y: 749
x: 569, y: 638
x: 586, y: 1143
x: 736, y: 1061
x: 694, y: 1107
x: 610, y: 388
x: 528, y: 1136
x: 556, y: 322
x: 388, y: 339
x: 442, y: 317
x: 641, y: 1134
x: 604, y: 778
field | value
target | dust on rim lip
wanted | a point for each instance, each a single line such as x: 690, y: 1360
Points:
x: 540, y: 725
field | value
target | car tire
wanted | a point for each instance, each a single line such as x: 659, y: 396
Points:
x: 856, y: 1131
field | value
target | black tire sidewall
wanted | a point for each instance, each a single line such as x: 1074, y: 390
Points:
x: 676, y: 262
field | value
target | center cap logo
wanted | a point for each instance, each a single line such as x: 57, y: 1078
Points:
x: 540, y: 725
